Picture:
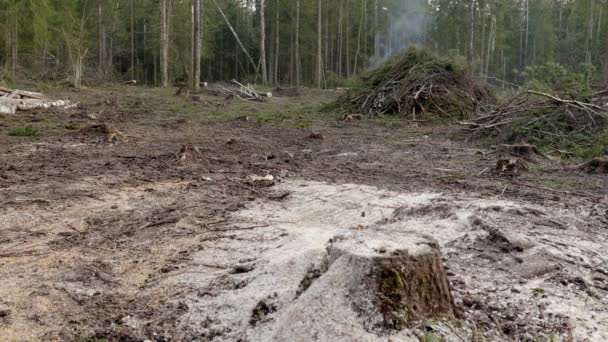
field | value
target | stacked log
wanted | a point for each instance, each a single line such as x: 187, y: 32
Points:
x: 12, y: 100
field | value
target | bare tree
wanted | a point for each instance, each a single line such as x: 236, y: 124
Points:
x: 74, y: 34
x: 164, y: 43
x: 101, y: 44
x: 263, y: 44
x: 196, y: 44
x: 277, y: 46
x: 132, y: 42
x: 319, y: 45
x: 472, y: 32
x: 297, y: 44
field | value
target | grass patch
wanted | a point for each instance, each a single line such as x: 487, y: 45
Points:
x: 302, y: 124
x: 24, y: 130
x: 538, y: 290
x: 273, y: 116
x: 71, y: 126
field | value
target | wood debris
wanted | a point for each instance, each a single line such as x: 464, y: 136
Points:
x: 12, y: 100
x: 236, y: 90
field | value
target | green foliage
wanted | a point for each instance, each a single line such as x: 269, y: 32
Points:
x: 553, y: 130
x: 538, y: 290
x: 273, y: 116
x: 304, y: 124
x: 555, y: 78
x: 431, y: 337
x: 24, y: 130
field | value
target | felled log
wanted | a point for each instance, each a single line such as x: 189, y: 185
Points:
x: 7, y: 107
x: 28, y: 104
x: 595, y: 166
x: 19, y: 94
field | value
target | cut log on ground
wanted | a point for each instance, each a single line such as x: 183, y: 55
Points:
x: 595, y: 166
x: 21, y: 100
x: 19, y: 94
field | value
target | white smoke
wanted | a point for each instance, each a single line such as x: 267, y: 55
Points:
x: 401, y: 24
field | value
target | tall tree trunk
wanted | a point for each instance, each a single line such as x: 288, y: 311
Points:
x: 277, y: 46
x: 164, y: 44
x: 339, y: 57
x: 527, y: 34
x: 482, y: 22
x: 14, y: 43
x: 589, y: 40
x: 101, y: 47
x: 263, y: 44
x: 491, y: 40
x: 472, y: 32
x: 132, y: 42
x: 319, y: 45
x: 348, y: 58
x: 297, y: 44
x: 196, y: 44
x: 376, y: 33
x: 361, y: 24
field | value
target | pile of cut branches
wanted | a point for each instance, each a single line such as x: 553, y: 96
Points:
x: 568, y: 126
x: 418, y: 84
x: 236, y: 89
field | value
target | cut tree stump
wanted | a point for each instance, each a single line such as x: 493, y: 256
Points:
x: 376, y: 284
x: 110, y: 133
x: 511, y: 166
x: 524, y: 151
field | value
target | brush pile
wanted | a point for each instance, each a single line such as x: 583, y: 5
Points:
x: 567, y: 126
x: 577, y: 115
x: 236, y: 89
x: 418, y: 84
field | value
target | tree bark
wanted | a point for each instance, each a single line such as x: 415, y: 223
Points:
x: 263, y: 44
x: 297, y: 45
x: 361, y: 24
x: 277, y: 45
x: 319, y: 45
x: 132, y: 42
x: 101, y: 53
x: 164, y: 44
x: 472, y: 32
x: 196, y: 44
x: 339, y: 57
x: 376, y: 33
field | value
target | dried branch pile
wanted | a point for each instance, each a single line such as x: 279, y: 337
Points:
x: 418, y: 84
x: 14, y: 100
x: 236, y: 89
x: 528, y: 109
x: 570, y: 127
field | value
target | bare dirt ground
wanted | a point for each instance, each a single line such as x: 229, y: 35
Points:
x: 161, y: 233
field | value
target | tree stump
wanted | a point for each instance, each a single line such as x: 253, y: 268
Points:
x: 375, y: 285
x: 524, y: 151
